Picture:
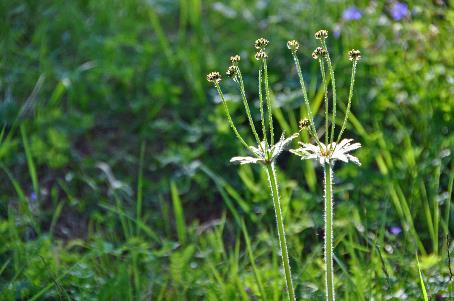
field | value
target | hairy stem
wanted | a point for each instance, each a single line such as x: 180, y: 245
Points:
x: 226, y: 109
x: 312, y: 128
x: 268, y: 102
x: 246, y: 106
x: 329, y: 273
x: 333, y: 86
x: 350, y: 94
x: 325, y: 91
x: 280, y: 228
x: 262, y: 114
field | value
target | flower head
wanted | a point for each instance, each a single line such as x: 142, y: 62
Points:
x: 304, y: 124
x: 293, y: 45
x: 264, y: 153
x: 214, y: 77
x: 318, y: 52
x: 232, y: 71
x: 328, y: 153
x: 354, y: 55
x: 352, y: 13
x: 321, y: 34
x: 399, y: 11
x: 261, y: 43
x: 261, y: 55
x: 235, y: 59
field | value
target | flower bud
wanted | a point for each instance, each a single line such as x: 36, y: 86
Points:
x: 261, y: 55
x: 261, y: 43
x: 293, y: 45
x: 214, y: 77
x: 354, y: 55
x: 321, y: 34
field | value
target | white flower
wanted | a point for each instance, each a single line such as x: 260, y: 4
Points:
x: 328, y: 153
x: 264, y: 153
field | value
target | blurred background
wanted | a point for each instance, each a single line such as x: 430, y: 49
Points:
x: 114, y: 150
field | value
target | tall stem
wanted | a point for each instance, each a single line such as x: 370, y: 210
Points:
x: 306, y: 99
x: 268, y: 102
x: 329, y: 273
x: 280, y: 229
x: 349, y: 103
x: 227, y: 113
x: 333, y: 86
x: 262, y: 114
x: 246, y: 106
x: 325, y: 89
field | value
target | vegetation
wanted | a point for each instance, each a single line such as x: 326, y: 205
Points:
x: 114, y: 151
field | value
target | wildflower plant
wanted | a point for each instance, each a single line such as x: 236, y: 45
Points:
x: 267, y: 149
x: 331, y: 150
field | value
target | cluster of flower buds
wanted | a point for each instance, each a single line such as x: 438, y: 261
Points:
x: 293, y: 45
x: 321, y: 34
x: 318, y: 52
x: 260, y: 45
x: 304, y: 124
x: 232, y: 71
x: 235, y: 59
x: 214, y: 77
x: 354, y: 55
x: 261, y: 55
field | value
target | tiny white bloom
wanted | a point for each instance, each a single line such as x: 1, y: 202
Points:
x: 328, y: 153
x: 263, y: 153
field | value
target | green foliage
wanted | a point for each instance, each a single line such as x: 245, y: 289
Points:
x: 84, y: 84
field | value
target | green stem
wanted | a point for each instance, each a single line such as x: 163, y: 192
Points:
x: 262, y: 114
x: 329, y: 273
x: 226, y: 109
x: 313, y: 130
x: 268, y: 102
x: 325, y: 88
x: 333, y: 86
x: 350, y: 94
x: 280, y: 228
x: 246, y: 106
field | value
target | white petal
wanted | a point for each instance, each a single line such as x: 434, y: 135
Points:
x: 277, y: 148
x: 262, y: 145
x: 309, y: 156
x: 282, y: 144
x: 256, y: 151
x: 309, y: 147
x: 303, y: 154
x: 245, y: 160
x: 343, y: 143
x: 349, y: 148
x: 354, y: 159
x: 340, y: 156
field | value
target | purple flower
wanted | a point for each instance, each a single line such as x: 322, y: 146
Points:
x: 399, y: 11
x: 394, y: 230
x: 33, y: 197
x: 351, y: 13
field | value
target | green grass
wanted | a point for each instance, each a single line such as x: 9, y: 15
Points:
x: 121, y: 85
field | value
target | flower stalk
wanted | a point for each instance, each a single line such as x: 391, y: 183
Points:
x: 329, y: 217
x: 327, y: 153
x: 266, y: 151
x: 270, y: 170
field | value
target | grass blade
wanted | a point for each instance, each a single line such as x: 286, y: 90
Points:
x: 178, y: 212
x: 423, y: 287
